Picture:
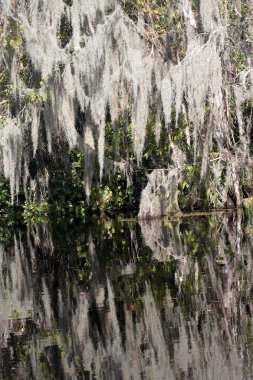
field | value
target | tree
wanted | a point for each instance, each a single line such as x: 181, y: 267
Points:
x: 100, y: 62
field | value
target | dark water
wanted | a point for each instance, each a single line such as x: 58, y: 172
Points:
x: 157, y: 300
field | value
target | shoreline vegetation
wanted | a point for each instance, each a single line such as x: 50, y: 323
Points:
x: 43, y: 212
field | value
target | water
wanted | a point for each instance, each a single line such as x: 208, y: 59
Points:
x: 105, y: 300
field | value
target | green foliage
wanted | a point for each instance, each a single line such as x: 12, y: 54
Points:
x: 36, y: 212
x: 156, y: 154
x: 66, y: 187
x: 155, y: 13
x: 36, y: 97
x: 7, y: 229
x: 3, y: 120
x: 118, y: 140
x: 8, y: 211
x: 113, y: 196
x: 248, y: 203
x: 5, y: 197
x: 178, y: 132
x: 191, y: 191
x: 14, y: 39
x: 238, y: 59
x: 247, y: 185
x: 10, y: 215
x: 5, y: 86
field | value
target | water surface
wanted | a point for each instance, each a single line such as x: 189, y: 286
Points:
x: 105, y: 300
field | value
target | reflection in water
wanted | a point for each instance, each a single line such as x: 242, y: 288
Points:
x: 155, y: 300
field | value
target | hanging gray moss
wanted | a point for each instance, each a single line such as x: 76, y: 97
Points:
x: 91, y: 58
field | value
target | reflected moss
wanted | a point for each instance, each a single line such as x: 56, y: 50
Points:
x: 104, y: 284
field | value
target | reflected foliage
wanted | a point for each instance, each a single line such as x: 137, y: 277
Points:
x: 108, y: 300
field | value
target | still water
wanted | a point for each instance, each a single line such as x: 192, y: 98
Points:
x: 151, y: 300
